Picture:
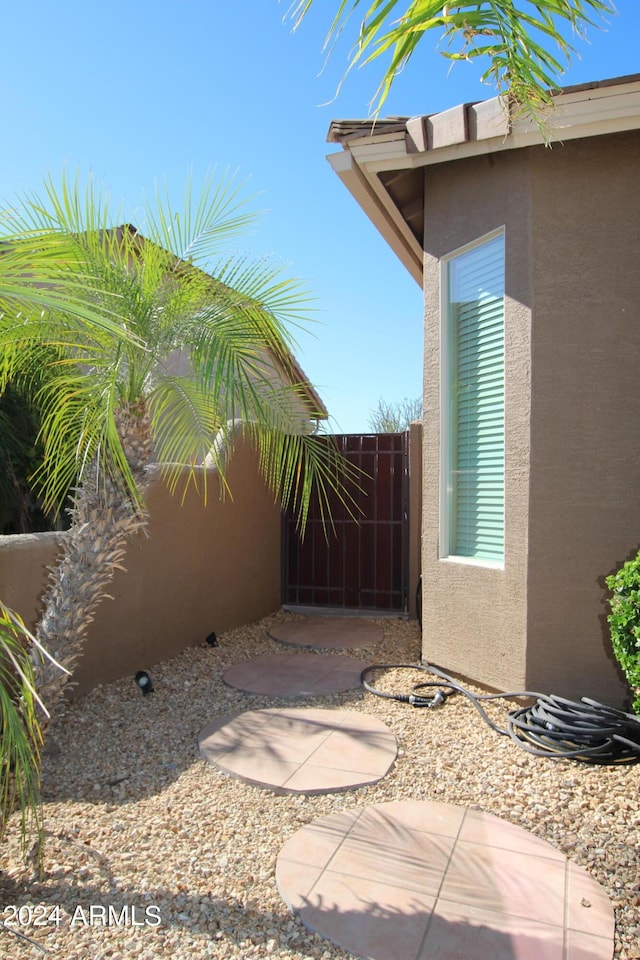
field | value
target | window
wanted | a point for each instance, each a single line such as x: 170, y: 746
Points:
x: 473, y: 375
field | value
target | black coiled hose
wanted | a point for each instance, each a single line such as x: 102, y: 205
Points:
x: 551, y: 727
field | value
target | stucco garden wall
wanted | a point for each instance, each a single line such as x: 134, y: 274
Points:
x: 201, y: 569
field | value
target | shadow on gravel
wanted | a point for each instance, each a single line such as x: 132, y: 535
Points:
x: 116, y: 746
x: 90, y: 919
x: 68, y: 918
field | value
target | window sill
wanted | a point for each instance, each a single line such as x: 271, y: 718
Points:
x: 474, y: 562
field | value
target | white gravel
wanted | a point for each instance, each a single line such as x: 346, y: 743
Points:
x: 184, y: 856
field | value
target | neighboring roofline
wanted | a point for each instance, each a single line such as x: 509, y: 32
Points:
x: 373, y: 150
x: 317, y: 409
x: 287, y: 365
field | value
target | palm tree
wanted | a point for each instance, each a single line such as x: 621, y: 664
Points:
x: 112, y: 316
x: 518, y: 37
x: 34, y: 276
x: 114, y: 407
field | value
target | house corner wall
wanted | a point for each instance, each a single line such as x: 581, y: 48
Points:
x: 585, y: 468
x: 474, y: 616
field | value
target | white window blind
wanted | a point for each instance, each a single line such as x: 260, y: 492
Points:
x: 476, y: 444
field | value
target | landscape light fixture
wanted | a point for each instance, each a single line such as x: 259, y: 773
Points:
x: 143, y: 681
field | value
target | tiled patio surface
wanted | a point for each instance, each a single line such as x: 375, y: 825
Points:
x: 328, y: 633
x: 415, y: 880
x: 296, y: 674
x: 300, y: 750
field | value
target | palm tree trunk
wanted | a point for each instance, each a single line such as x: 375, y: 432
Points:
x: 103, y: 520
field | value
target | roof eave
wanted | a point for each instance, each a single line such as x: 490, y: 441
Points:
x: 385, y: 216
x: 375, y: 148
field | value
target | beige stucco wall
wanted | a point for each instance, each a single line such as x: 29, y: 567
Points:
x: 23, y: 570
x: 201, y: 569
x: 572, y: 491
x: 585, y: 467
x: 474, y: 617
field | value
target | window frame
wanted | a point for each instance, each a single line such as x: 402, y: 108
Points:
x: 447, y: 426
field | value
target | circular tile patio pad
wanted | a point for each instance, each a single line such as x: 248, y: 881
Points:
x: 416, y: 880
x: 329, y: 633
x: 296, y: 674
x: 300, y: 750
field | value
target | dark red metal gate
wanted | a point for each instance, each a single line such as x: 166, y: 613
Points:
x: 363, y: 563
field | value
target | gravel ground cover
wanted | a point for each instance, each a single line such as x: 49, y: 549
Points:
x: 151, y: 853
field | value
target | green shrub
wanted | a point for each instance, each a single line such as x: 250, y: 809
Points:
x: 624, y: 623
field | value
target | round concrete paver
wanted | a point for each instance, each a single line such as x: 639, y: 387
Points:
x: 296, y: 674
x: 329, y: 633
x: 300, y: 750
x: 414, y: 880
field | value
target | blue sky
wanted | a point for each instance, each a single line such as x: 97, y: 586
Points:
x: 142, y: 90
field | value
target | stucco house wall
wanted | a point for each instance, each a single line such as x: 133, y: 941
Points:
x: 474, y: 617
x: 585, y: 405
x: 572, y: 475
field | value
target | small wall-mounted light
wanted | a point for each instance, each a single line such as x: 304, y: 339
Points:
x: 143, y: 681
x: 212, y: 640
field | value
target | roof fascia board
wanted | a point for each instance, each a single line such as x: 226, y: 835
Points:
x: 379, y: 148
x: 589, y: 114
x: 561, y: 133
x: 521, y: 136
x: 384, y: 215
x: 455, y: 152
x: 578, y: 114
x: 602, y: 92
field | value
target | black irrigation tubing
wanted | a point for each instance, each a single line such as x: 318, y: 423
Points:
x: 552, y: 727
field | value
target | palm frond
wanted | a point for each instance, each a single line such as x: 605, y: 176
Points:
x: 20, y: 735
x: 79, y: 432
x: 196, y: 231
x: 186, y: 424
x: 298, y: 466
x: 518, y: 36
x: 42, y: 268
